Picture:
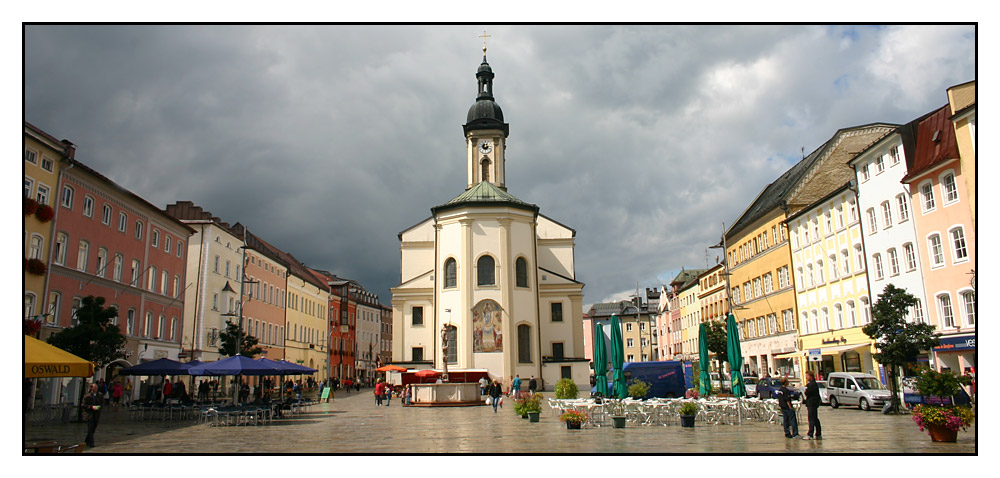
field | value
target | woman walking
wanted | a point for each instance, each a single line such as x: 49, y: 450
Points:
x: 812, y: 405
x: 496, y: 394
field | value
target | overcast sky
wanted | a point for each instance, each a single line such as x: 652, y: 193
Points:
x: 327, y: 141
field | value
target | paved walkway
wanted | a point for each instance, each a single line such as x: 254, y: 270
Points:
x: 354, y: 424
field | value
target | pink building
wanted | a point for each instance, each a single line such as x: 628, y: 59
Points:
x: 946, y: 239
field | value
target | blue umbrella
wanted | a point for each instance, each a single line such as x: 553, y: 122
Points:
x: 618, y: 357
x: 293, y: 368
x: 235, y: 365
x: 600, y: 361
x: 163, y: 366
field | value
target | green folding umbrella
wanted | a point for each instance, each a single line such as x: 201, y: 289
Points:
x: 618, y: 357
x: 705, y: 381
x: 735, y: 354
x: 600, y: 361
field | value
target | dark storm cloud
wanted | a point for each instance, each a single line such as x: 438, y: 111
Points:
x: 329, y: 140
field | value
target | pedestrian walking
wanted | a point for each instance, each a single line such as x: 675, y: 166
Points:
x: 388, y: 394
x: 515, y: 386
x: 788, y: 418
x: 483, y: 383
x: 496, y: 394
x: 128, y: 392
x: 92, y: 406
x: 532, y: 385
x: 378, y: 393
x: 812, y: 406
x: 167, y: 388
x: 407, y: 395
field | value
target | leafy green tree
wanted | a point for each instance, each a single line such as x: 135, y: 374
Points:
x: 898, y: 341
x: 95, y: 337
x: 566, y: 388
x: 248, y: 346
x: 717, y: 341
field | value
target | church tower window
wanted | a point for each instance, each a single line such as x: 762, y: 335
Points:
x: 485, y: 169
x: 524, y: 343
x: 450, y: 273
x: 521, y: 272
x: 485, y: 273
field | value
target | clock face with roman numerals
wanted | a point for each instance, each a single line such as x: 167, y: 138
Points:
x: 485, y: 146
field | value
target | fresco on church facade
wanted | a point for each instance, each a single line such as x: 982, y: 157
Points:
x: 486, y: 330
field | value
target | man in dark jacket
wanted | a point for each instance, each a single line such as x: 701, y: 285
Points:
x: 788, y: 418
x: 92, y: 407
x: 812, y: 405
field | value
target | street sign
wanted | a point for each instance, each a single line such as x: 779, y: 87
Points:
x: 815, y: 355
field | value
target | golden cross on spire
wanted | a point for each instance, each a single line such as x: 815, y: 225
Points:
x: 484, y: 36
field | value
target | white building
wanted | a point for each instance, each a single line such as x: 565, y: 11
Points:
x: 889, y: 233
x: 490, y: 273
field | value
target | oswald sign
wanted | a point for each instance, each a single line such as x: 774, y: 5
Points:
x: 956, y: 344
x: 47, y: 370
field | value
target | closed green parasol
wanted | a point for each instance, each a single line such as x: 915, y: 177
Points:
x: 600, y: 361
x: 618, y: 357
x: 704, y: 380
x: 735, y: 354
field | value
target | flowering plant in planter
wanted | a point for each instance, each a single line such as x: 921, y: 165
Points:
x: 951, y: 417
x: 573, y: 416
x: 30, y: 206
x: 45, y: 213
x: 31, y: 327
x: 36, y: 267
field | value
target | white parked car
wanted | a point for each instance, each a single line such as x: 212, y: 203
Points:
x: 751, y: 385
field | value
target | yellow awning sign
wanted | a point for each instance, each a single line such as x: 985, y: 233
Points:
x: 44, y: 360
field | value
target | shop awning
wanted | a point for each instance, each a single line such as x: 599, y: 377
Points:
x: 842, y: 348
x: 789, y: 355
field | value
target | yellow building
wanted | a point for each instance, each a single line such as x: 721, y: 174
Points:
x: 759, y: 259
x: 306, y: 321
x: 831, y: 285
x: 690, y: 314
x: 962, y: 100
x: 43, y: 157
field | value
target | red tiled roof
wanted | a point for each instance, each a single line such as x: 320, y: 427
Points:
x: 930, y: 153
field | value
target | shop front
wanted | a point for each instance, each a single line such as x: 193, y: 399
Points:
x: 956, y: 353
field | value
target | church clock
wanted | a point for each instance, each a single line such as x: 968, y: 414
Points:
x: 485, y: 146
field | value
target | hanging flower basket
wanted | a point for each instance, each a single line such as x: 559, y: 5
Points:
x: 31, y: 327
x: 30, y: 206
x: 36, y: 267
x: 45, y: 213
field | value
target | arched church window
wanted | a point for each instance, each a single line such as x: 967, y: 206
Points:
x: 524, y: 343
x: 450, y: 273
x: 485, y: 271
x: 521, y: 272
x: 486, y: 169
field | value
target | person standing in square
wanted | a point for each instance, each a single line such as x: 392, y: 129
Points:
x: 92, y: 406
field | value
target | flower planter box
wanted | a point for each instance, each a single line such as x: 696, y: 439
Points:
x: 687, y: 421
x: 941, y: 433
x: 533, y: 416
x: 619, y: 422
x: 573, y: 425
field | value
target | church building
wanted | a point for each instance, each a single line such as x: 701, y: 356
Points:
x: 490, y: 274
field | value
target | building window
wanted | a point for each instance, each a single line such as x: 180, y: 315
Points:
x: 911, y: 257
x: 138, y: 230
x: 783, y: 277
x: 969, y: 305
x: 485, y: 271
x: 893, y: 262
x: 28, y: 186
x: 29, y: 305
x: 418, y: 315
x: 81, y: 256
x: 960, y: 253
x: 630, y: 342
x: 864, y: 172
x: 927, y: 196
x: 180, y: 245
x: 866, y: 311
x: 215, y: 265
x: 106, y: 215
x: 130, y: 322
x: 879, y: 165
x: 557, y: 312
x: 35, y: 247
x: 838, y: 311
x: 119, y: 264
x: 42, y: 194
x: 147, y: 327
x: 450, y: 273
x: 164, y: 282
x: 833, y: 267
x: 853, y: 208
x: 845, y: 260
x: 521, y: 272
x: 135, y: 272
x: 102, y: 261
x: 417, y: 354
x: 886, y: 215
x: 523, y: 343
x: 877, y: 260
x: 789, y: 319
x: 904, y: 209
x: 852, y: 314
x: 768, y: 283
x: 31, y: 156
x: 155, y: 238
x: 88, y: 206
x: 122, y: 221
x: 918, y: 312
x: 736, y: 295
x: 894, y: 156
x: 859, y: 258
x: 166, y: 244
x: 820, y: 277
x: 950, y: 188
x: 628, y: 327
x: 945, y: 310
x: 872, y: 221
x: 935, y: 249
x: 152, y: 279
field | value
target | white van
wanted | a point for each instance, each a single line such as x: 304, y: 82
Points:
x: 853, y: 388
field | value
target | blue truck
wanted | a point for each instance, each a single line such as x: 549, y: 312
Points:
x: 666, y: 379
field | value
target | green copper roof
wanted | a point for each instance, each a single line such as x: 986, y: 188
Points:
x: 485, y: 194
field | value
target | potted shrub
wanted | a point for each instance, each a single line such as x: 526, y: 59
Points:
x: 533, y: 406
x: 45, y: 213
x: 566, y: 388
x: 687, y: 412
x: 36, y: 267
x: 573, y: 418
x: 519, y: 399
x: 638, y: 389
x: 616, y: 410
x: 942, y: 421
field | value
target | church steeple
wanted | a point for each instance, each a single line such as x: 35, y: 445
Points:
x: 485, y: 132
